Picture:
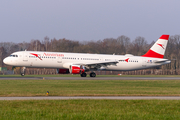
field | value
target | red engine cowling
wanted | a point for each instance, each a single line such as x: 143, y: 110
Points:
x: 62, y: 71
x: 76, y: 69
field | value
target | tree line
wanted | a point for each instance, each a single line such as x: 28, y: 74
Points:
x: 119, y: 46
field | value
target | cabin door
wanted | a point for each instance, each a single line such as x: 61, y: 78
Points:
x: 25, y: 56
x: 59, y: 60
x: 144, y: 62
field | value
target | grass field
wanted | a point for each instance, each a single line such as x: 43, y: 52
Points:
x: 90, y: 87
x: 91, y: 109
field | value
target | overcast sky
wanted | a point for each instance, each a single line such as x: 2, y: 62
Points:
x: 85, y: 20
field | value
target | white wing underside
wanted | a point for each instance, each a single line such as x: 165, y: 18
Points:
x: 98, y: 65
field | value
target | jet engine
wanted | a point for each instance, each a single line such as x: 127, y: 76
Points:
x: 76, y: 69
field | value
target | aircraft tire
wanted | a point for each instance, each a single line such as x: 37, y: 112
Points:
x: 83, y: 74
x: 22, y: 74
x: 92, y: 74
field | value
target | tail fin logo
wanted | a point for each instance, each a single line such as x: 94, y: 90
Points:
x: 161, y: 45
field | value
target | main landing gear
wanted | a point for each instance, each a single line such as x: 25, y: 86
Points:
x: 83, y: 74
x: 92, y: 74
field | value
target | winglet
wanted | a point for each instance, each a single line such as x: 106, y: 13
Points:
x: 159, y: 47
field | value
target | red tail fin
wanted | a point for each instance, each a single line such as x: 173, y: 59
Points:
x: 159, y: 47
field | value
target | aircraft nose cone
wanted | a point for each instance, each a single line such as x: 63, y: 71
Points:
x: 5, y: 61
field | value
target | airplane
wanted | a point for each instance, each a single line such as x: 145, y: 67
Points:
x: 80, y: 63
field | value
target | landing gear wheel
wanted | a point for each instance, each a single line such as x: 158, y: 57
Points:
x: 92, y: 74
x: 83, y: 75
x: 22, y: 74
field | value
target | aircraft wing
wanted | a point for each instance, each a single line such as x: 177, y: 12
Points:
x: 98, y: 65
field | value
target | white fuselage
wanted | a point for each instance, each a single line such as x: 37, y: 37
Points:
x: 63, y: 60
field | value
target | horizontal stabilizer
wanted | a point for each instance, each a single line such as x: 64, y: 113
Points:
x: 162, y: 60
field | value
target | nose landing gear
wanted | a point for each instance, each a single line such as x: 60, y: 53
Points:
x: 23, y: 71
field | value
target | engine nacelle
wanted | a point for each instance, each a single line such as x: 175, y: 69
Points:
x: 62, y: 71
x: 76, y: 69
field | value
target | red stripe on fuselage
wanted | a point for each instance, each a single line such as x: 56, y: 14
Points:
x: 165, y: 37
x: 153, y: 54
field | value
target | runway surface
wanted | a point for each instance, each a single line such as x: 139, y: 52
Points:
x: 114, y: 78
x: 89, y: 78
x: 95, y: 98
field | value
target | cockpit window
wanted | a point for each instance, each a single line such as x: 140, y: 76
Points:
x: 13, y: 56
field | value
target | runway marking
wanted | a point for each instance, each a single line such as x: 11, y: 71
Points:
x: 95, y: 98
